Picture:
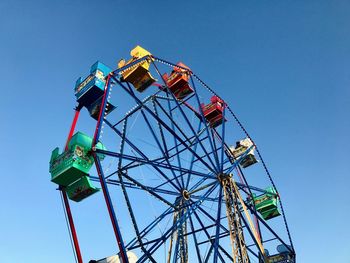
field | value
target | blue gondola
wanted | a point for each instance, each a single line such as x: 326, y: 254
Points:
x: 89, y: 92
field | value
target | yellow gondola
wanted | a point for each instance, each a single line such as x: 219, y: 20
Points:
x: 138, y: 75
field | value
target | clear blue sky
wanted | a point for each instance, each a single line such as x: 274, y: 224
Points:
x: 283, y: 66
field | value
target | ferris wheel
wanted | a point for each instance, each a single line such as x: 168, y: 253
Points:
x: 192, y: 184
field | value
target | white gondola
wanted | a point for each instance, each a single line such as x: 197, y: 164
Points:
x: 116, y: 259
x: 241, y: 147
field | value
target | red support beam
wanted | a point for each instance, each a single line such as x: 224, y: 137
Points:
x: 72, y: 227
x: 64, y: 194
x: 72, y: 128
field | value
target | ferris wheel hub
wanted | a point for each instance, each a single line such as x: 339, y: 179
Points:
x: 186, y: 195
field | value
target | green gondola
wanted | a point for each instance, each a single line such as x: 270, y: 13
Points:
x: 71, y: 168
x: 281, y: 257
x: 267, y: 204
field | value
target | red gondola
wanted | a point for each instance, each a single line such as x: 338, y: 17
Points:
x: 213, y: 112
x: 178, y: 81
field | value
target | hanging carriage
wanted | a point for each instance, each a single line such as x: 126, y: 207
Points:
x: 244, y: 148
x: 89, y: 91
x: 178, y: 81
x: 213, y: 112
x: 267, y: 204
x: 138, y: 74
x: 70, y: 169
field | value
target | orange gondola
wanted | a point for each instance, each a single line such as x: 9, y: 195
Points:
x: 177, y: 81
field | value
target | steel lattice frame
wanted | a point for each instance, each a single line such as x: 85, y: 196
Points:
x: 199, y: 192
